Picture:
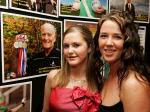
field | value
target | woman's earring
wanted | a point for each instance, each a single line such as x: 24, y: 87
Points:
x: 105, y: 69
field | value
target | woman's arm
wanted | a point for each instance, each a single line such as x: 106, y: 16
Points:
x: 47, y: 90
x: 135, y: 94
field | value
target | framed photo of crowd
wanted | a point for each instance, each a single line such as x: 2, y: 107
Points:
x: 44, y: 7
x: 31, y: 46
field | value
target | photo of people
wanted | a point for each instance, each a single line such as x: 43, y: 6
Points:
x: 44, y: 7
x: 30, y: 48
x: 139, y: 10
x: 129, y: 7
x: 116, y: 5
x: 50, y: 56
x: 91, y: 25
x: 83, y: 8
x: 16, y: 97
x: 3, y: 3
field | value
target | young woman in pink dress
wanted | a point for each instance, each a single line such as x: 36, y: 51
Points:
x: 74, y: 88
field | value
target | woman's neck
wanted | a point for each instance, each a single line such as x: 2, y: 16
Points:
x: 113, y: 69
x: 78, y: 75
x: 79, y: 71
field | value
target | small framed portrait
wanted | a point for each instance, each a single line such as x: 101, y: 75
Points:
x: 139, y: 10
x: 31, y: 47
x: 91, y: 9
x: 90, y: 24
x: 4, y: 4
x: 44, y: 7
x: 16, y: 97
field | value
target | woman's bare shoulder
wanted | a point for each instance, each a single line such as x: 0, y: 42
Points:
x: 134, y: 79
x: 135, y: 90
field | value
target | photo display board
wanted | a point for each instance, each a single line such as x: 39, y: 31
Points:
x: 23, y: 60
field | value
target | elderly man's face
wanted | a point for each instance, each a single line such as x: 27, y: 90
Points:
x: 48, y: 38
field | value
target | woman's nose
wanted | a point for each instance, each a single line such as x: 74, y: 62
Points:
x: 70, y: 50
x: 109, y: 41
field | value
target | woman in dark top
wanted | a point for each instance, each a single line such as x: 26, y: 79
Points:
x: 120, y: 60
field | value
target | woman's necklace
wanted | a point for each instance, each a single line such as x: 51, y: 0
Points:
x: 75, y: 82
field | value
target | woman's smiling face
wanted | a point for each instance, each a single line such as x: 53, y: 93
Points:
x: 75, y: 49
x: 110, y: 41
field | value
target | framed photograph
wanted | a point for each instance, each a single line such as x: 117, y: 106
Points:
x: 116, y: 5
x: 139, y: 9
x: 91, y: 9
x: 44, y: 7
x: 90, y: 24
x: 31, y: 47
x: 142, y: 34
x: 4, y: 4
x: 16, y: 97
